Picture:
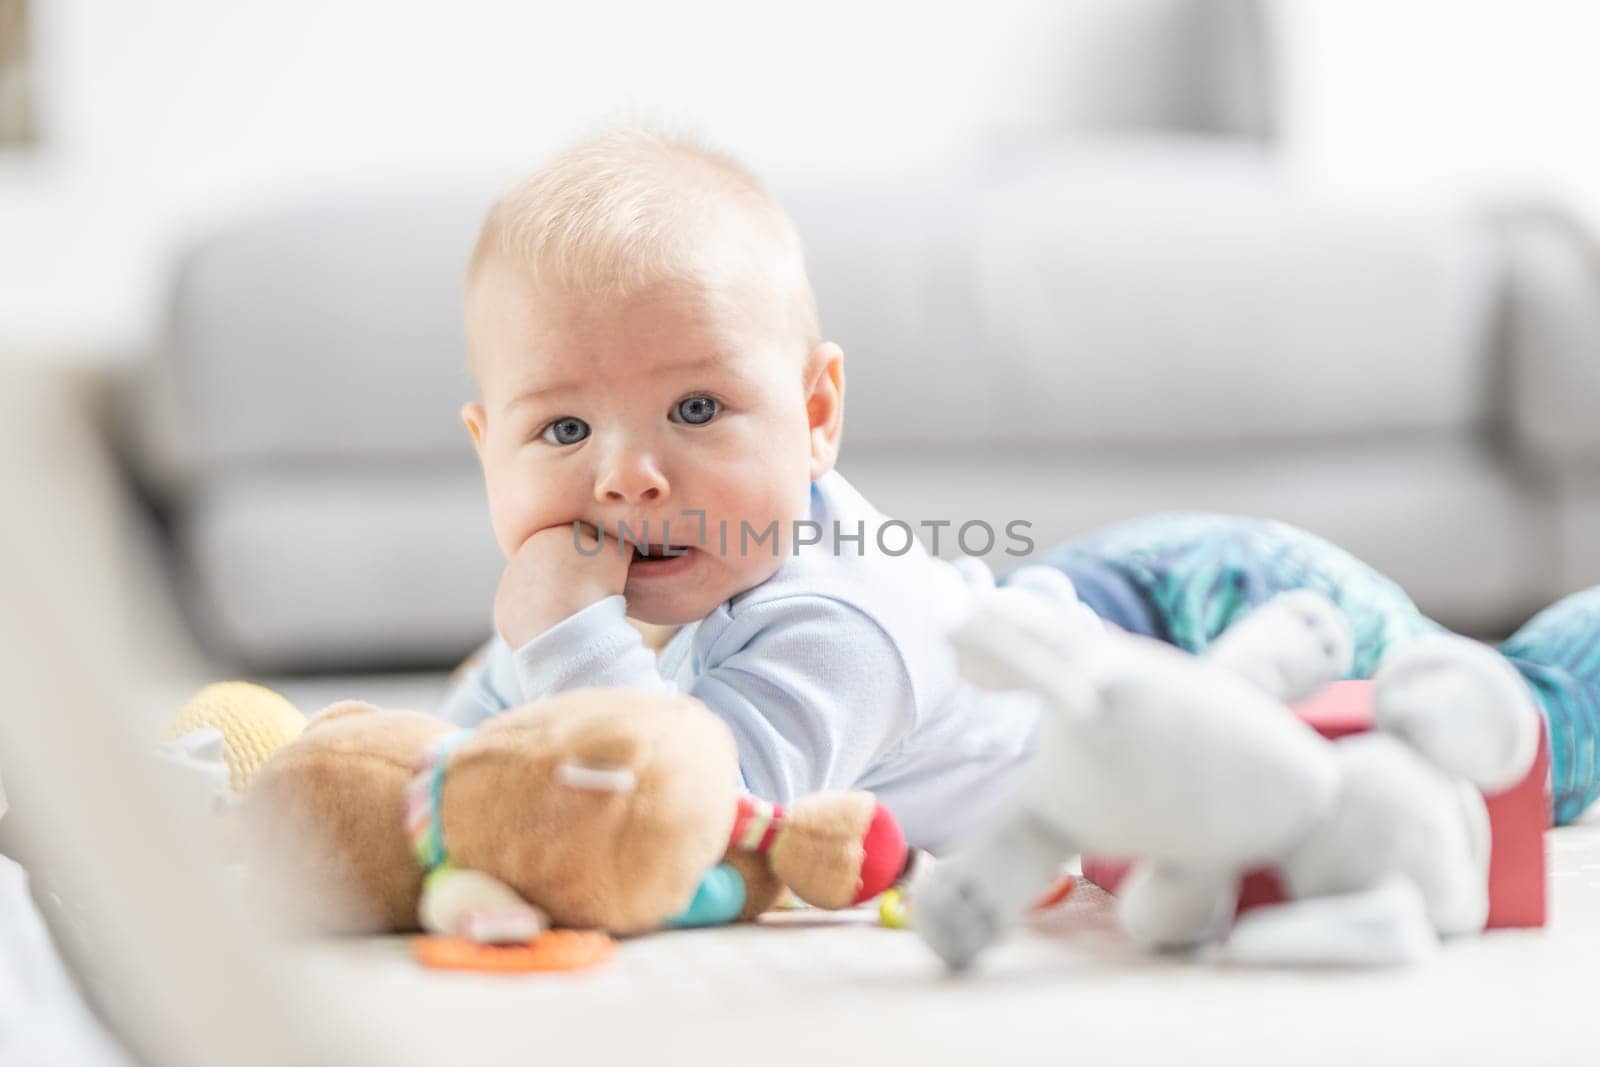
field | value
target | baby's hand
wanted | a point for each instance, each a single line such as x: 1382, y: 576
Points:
x: 549, y: 579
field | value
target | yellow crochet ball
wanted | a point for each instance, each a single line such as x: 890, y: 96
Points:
x: 254, y: 722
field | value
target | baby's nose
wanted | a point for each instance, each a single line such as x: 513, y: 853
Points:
x: 617, y: 496
x: 632, y: 480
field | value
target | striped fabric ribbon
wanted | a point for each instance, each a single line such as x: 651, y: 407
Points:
x: 424, y: 826
x: 758, y: 824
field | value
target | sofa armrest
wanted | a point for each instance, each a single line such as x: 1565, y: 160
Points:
x: 1552, y: 337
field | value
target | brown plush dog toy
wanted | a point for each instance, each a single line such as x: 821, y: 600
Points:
x: 609, y: 809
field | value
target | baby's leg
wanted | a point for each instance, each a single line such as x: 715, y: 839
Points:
x: 1558, y: 652
x: 1187, y: 577
x: 1105, y: 587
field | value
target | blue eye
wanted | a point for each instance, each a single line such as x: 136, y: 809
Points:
x: 696, y: 410
x: 567, y: 431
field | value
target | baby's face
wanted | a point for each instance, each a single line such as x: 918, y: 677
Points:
x: 649, y: 412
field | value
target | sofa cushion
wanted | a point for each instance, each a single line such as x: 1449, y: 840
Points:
x: 327, y: 330
x: 342, y: 567
x: 1438, y: 514
x: 1171, y: 293
x: 1553, y: 336
x: 1153, y: 290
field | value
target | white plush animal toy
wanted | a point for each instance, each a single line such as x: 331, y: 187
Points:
x: 1194, y: 767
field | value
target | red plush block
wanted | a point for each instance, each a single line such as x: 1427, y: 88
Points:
x: 1518, y: 818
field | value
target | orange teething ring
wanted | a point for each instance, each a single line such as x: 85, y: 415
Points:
x: 553, y: 950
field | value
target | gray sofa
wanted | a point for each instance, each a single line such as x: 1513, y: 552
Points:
x: 1069, y: 328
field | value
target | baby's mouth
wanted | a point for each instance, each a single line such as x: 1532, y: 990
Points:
x: 660, y: 551
x: 660, y: 561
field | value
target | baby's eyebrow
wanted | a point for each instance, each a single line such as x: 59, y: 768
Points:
x: 688, y: 365
x: 540, y: 393
x: 732, y: 371
x: 683, y: 367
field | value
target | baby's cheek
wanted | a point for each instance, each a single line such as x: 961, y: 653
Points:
x: 774, y: 513
x: 509, y: 529
x: 514, y: 513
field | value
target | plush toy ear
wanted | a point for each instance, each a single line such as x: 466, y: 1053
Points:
x: 998, y: 652
x: 340, y: 710
x: 1289, y: 647
x: 1462, y: 706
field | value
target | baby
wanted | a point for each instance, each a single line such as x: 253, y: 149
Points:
x: 658, y: 426
x: 646, y: 345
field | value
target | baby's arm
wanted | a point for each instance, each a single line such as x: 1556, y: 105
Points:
x: 595, y: 646
x: 477, y: 688
x: 813, y: 689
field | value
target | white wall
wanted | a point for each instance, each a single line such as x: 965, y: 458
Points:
x: 1426, y: 101
x: 215, y: 98
x: 161, y: 114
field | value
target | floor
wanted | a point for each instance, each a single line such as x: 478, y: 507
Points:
x: 811, y: 989
x: 1067, y: 988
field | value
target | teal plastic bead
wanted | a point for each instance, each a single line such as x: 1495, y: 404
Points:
x: 718, y: 899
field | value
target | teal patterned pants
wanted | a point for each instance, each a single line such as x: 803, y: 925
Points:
x: 1184, y: 578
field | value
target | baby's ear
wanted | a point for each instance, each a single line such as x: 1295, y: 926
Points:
x: 825, y: 405
x: 473, y: 415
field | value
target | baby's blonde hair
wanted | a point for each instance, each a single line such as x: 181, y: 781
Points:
x: 632, y: 206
